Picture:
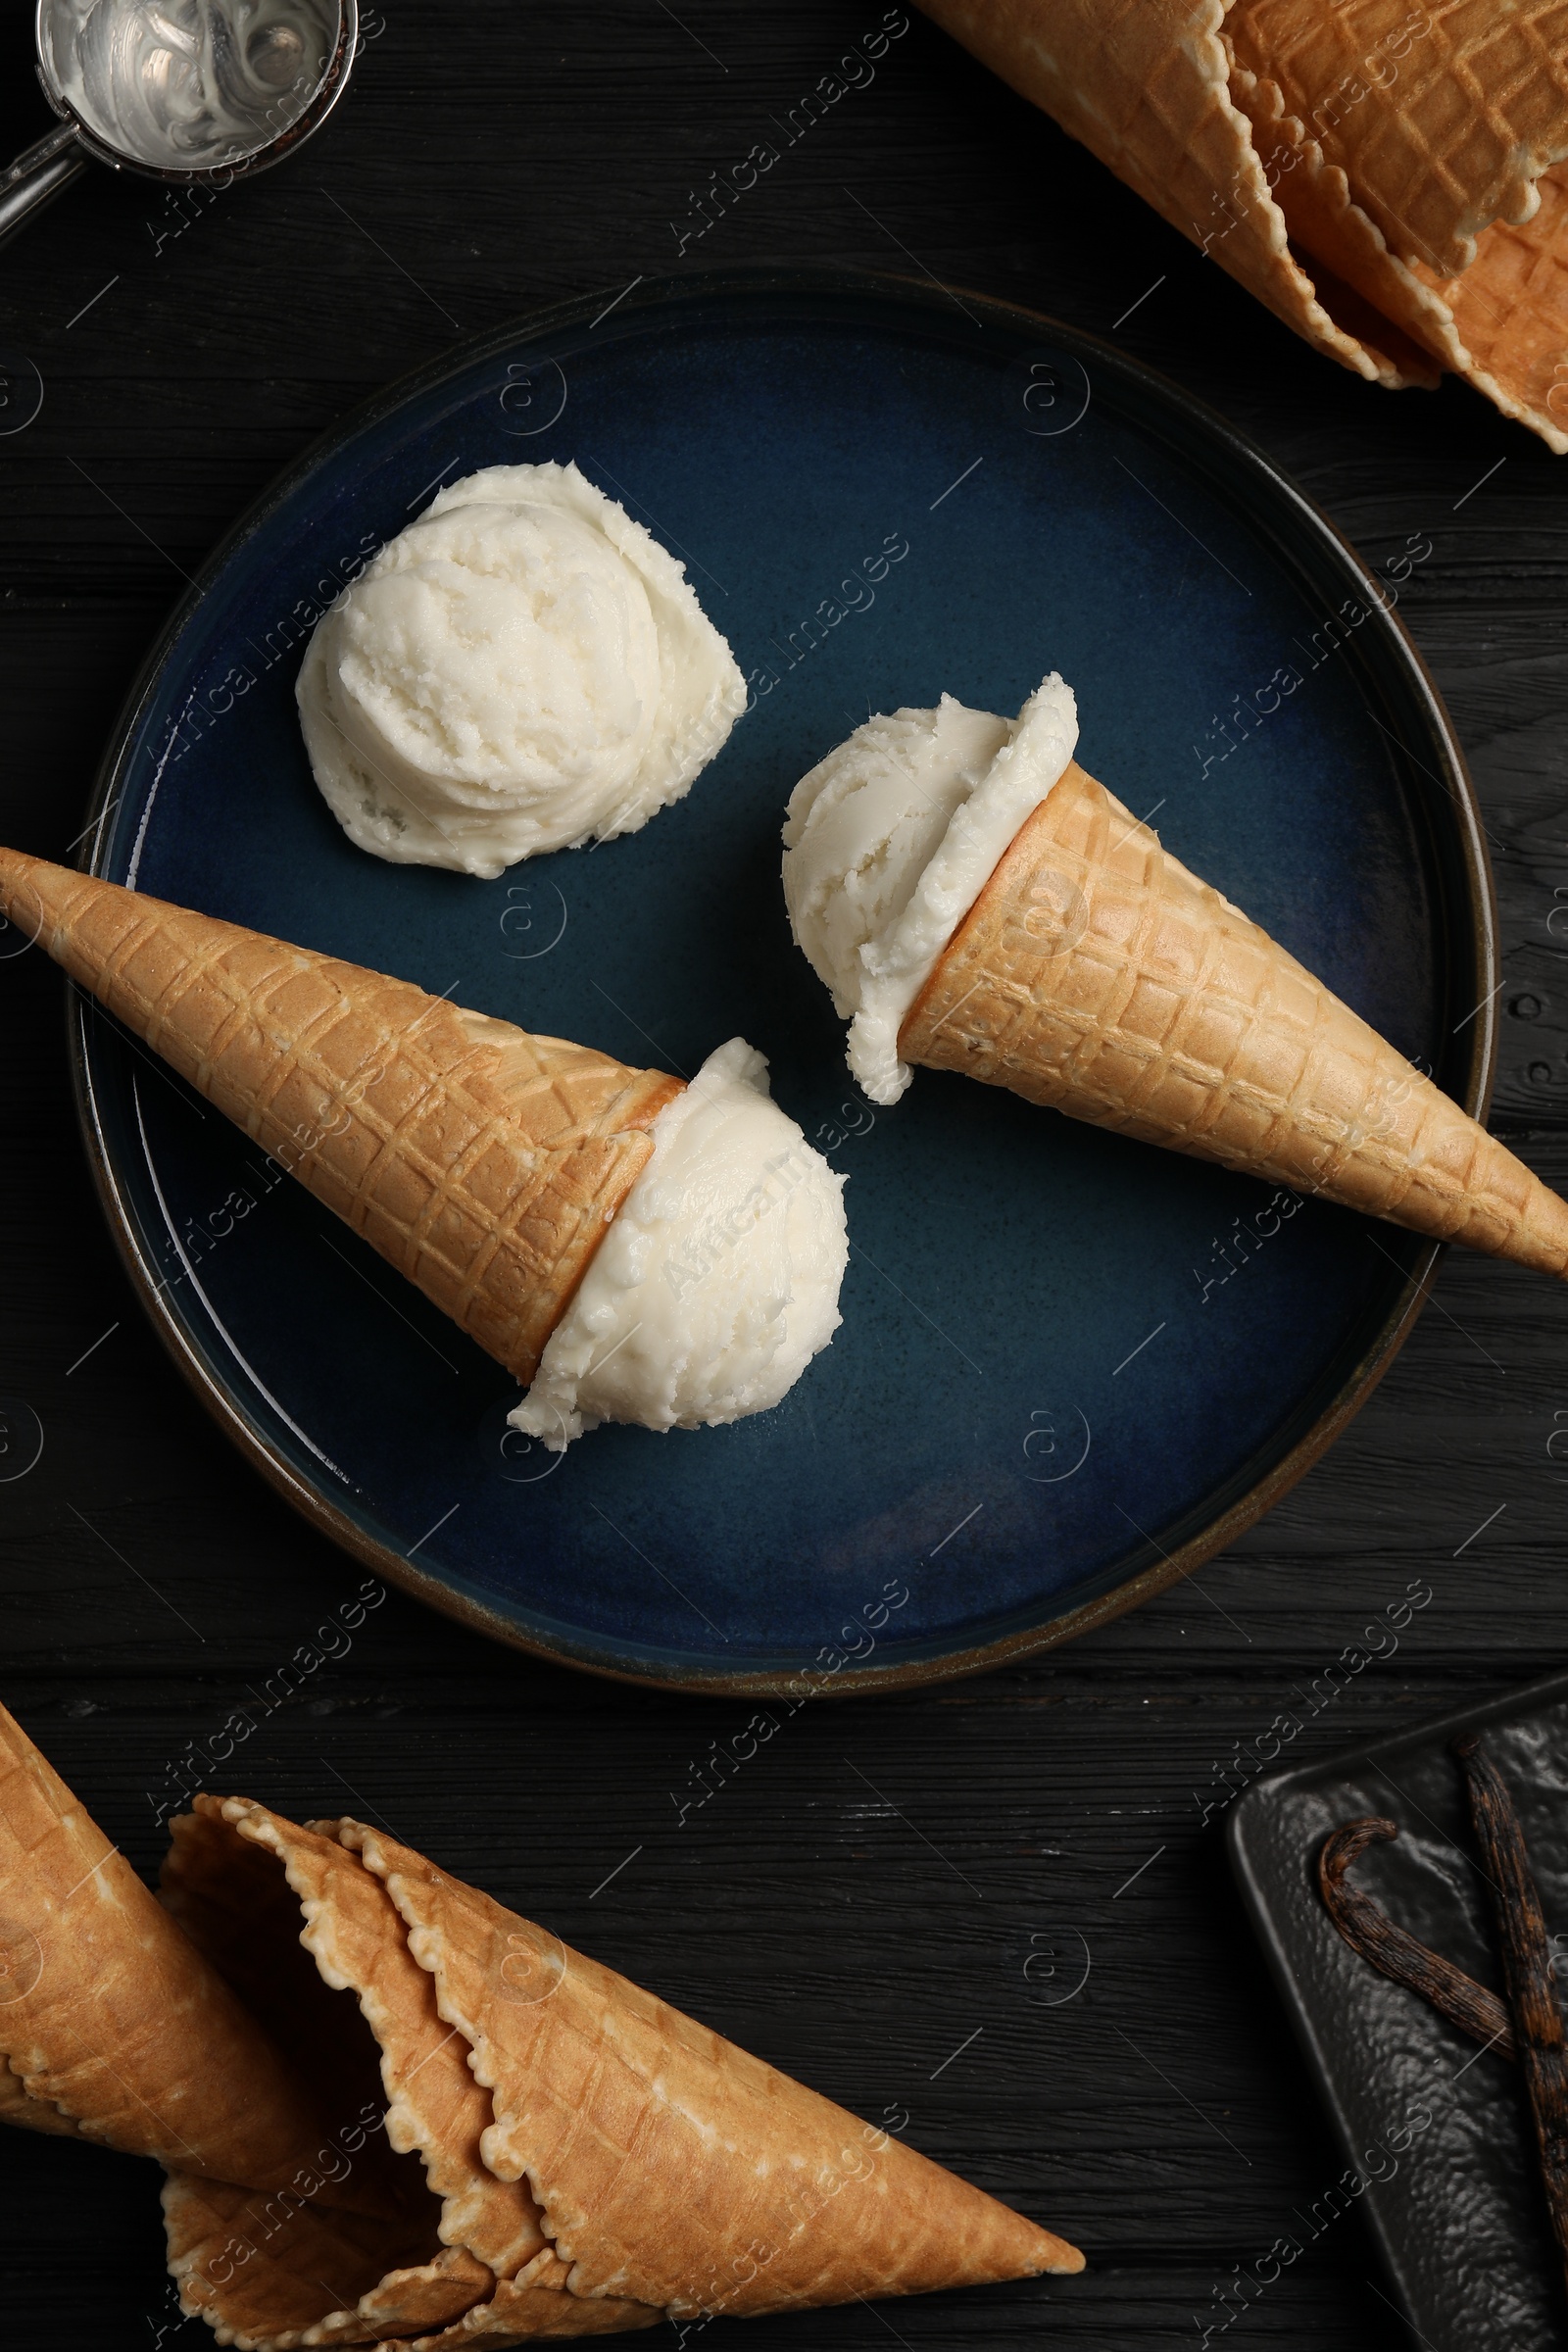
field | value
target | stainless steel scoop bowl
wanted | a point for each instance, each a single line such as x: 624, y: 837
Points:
x: 190, y: 92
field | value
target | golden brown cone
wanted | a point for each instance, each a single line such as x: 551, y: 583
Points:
x: 1095, y: 975
x: 533, y: 2306
x: 266, y: 2273
x: 435, y: 2108
x: 355, y: 1940
x: 282, y: 2275
x: 306, y: 2284
x: 1144, y: 85
x: 1503, y: 324
x: 596, y: 2158
x: 483, y: 1162
x: 32, y: 2115
x: 644, y: 2132
x: 1506, y: 320
x: 1151, y: 87
x: 670, y: 2167
x: 1441, y: 117
x: 112, y: 2025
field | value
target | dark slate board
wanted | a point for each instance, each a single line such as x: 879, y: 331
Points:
x: 1436, y: 2129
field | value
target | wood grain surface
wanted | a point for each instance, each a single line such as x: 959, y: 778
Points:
x: 874, y: 1901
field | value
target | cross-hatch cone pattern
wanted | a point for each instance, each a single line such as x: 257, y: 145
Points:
x: 574, y: 2157
x: 1095, y: 975
x: 1368, y: 170
x: 483, y: 1162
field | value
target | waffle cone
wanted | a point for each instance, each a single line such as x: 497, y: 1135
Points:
x: 1095, y: 975
x: 1145, y: 85
x: 1441, y: 117
x: 112, y: 2027
x: 239, y: 1878
x: 1293, y: 142
x: 563, y: 2154
x: 599, y: 2160
x: 1471, y: 264
x: 481, y: 1162
x: 669, y: 2167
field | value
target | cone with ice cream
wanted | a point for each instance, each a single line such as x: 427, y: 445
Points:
x: 1389, y: 177
x: 492, y: 1167
x: 977, y: 903
x: 502, y: 2140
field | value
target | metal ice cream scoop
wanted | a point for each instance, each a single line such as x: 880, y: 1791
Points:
x: 187, y: 91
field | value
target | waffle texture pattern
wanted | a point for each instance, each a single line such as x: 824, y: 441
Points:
x: 481, y: 1162
x: 1095, y: 975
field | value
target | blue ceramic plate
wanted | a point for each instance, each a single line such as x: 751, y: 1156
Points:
x: 1070, y: 1366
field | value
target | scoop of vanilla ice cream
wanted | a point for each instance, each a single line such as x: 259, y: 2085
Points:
x: 867, y: 822
x: 718, y: 1278
x: 890, y: 840
x: 522, y: 669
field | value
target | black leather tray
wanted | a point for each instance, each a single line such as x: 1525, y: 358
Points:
x: 1435, y: 2133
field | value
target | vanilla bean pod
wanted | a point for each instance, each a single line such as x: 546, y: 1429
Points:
x: 1392, y: 1950
x: 1527, y: 1970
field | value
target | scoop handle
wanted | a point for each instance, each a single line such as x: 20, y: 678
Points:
x: 37, y: 176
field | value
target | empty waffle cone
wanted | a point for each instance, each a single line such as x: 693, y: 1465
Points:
x: 670, y: 2166
x: 112, y: 2027
x: 1384, y: 176
x: 600, y: 2161
x: 239, y: 1878
x: 1095, y: 975
x: 481, y: 1162
x: 1145, y: 85
x: 1442, y: 117
x: 1416, y: 153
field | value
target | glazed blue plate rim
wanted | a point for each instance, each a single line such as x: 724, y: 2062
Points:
x: 1234, y: 469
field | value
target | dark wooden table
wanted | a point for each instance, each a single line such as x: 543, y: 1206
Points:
x: 491, y: 157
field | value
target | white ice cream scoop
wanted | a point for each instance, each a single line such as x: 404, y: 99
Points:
x: 187, y: 91
x: 524, y: 669
x: 719, y: 1280
x: 891, y: 839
